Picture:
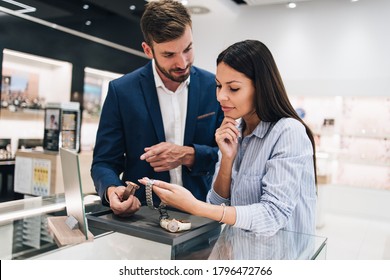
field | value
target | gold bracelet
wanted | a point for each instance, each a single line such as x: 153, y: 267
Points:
x: 224, y: 212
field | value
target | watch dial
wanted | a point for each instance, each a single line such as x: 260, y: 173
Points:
x: 173, y: 226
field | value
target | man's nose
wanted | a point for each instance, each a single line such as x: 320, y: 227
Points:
x: 181, y: 61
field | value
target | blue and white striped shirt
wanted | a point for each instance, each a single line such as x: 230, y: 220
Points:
x: 273, y: 184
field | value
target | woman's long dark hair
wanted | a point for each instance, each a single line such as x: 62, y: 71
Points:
x: 254, y: 59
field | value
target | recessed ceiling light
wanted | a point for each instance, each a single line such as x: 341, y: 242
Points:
x: 88, y: 22
x: 291, y: 5
x: 85, y: 6
x: 132, y: 7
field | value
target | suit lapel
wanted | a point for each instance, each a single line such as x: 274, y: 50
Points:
x: 151, y: 100
x: 192, y: 108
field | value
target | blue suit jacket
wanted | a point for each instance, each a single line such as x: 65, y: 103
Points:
x: 131, y: 120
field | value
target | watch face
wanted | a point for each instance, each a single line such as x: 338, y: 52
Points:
x: 173, y: 226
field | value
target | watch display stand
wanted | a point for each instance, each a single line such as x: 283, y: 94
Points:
x: 145, y: 224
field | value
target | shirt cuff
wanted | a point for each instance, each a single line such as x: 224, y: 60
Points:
x: 105, y: 199
x: 243, y: 217
x: 215, y: 198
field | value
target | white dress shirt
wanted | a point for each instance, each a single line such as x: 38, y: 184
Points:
x: 173, y: 106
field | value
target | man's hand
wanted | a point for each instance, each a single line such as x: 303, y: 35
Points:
x: 120, y: 207
x: 166, y: 156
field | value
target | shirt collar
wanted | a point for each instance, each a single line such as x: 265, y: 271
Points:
x: 159, y: 82
x: 260, y: 130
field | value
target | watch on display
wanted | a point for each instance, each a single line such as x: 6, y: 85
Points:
x: 171, y: 225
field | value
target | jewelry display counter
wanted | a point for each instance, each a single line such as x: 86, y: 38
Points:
x: 236, y: 244
x: 23, y: 224
x: 24, y: 235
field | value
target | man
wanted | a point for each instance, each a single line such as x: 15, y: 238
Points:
x: 158, y: 121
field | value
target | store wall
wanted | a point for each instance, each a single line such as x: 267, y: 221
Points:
x: 325, y: 49
x: 29, y: 37
x: 329, y: 47
x: 21, y: 35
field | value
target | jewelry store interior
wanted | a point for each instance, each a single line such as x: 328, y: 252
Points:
x: 57, y: 60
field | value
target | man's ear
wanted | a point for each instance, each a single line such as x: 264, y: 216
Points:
x: 147, y: 50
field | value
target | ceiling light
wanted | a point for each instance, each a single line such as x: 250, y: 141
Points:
x: 88, y: 22
x: 25, y: 8
x: 132, y: 7
x: 85, y: 6
x: 291, y: 5
x: 13, y: 54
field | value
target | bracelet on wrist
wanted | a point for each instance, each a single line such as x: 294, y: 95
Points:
x: 223, y: 213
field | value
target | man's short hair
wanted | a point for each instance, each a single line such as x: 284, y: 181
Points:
x: 164, y: 21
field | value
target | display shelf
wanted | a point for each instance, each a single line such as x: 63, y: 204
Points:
x: 345, y: 157
x: 353, y: 135
x: 352, y: 138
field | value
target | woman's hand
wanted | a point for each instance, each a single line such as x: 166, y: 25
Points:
x: 173, y: 195
x: 226, y: 137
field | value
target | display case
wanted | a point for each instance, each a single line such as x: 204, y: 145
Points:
x: 95, y: 90
x: 237, y: 244
x: 23, y: 224
x: 24, y: 235
x: 352, y: 139
x: 31, y: 82
x: 145, y: 224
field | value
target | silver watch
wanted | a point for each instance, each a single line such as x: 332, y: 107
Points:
x: 149, y: 200
x: 149, y: 192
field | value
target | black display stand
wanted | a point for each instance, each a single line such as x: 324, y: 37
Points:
x: 145, y: 224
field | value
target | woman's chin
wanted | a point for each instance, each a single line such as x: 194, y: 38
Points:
x: 231, y: 115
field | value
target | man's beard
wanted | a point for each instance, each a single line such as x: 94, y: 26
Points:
x: 177, y: 79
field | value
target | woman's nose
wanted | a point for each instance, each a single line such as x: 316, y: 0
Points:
x: 221, y: 95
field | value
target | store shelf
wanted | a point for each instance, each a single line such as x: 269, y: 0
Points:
x: 352, y: 138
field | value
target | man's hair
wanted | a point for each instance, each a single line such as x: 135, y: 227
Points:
x: 164, y: 21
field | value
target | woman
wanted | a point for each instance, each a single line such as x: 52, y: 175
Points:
x: 265, y: 176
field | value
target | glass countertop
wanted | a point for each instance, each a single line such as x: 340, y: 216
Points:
x: 32, y: 206
x: 24, y: 234
x: 237, y: 244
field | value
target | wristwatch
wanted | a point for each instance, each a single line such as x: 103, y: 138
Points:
x: 149, y: 192
x: 149, y: 200
x: 130, y: 190
x: 173, y: 225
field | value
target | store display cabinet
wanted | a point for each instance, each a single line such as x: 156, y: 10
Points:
x: 352, y: 138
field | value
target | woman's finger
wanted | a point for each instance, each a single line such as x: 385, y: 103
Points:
x: 157, y: 183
